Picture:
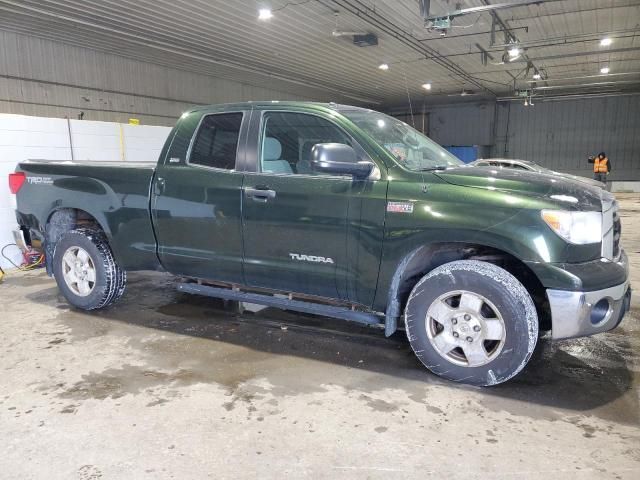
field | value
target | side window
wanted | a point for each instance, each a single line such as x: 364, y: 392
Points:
x: 287, y: 140
x: 216, y: 143
x: 514, y: 166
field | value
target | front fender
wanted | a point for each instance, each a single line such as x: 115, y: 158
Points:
x: 443, y: 215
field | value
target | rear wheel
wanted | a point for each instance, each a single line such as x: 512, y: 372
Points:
x: 85, y: 270
x: 472, y: 322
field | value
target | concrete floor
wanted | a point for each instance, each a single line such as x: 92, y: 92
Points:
x: 170, y: 386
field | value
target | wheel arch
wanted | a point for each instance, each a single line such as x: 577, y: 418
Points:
x: 62, y: 220
x: 427, y: 257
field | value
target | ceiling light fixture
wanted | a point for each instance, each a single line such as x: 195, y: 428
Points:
x: 265, y: 14
x: 605, y: 42
x: 514, y: 52
x: 537, y: 76
x: 383, y: 66
x: 604, y: 70
x: 426, y: 86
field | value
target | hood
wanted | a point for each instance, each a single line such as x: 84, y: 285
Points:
x: 588, y: 181
x: 525, y: 182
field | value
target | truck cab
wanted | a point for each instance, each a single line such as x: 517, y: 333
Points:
x: 240, y: 197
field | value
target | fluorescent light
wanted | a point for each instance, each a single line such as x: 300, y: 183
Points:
x: 383, y: 66
x: 537, y: 76
x: 514, y: 52
x: 426, y: 86
x: 605, y: 42
x: 264, y: 14
x: 604, y: 70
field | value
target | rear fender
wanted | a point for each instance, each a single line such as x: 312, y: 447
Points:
x: 65, y: 219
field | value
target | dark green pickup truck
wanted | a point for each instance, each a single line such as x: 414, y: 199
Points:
x: 343, y: 212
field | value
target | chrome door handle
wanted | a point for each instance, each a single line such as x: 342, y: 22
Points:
x: 259, y: 194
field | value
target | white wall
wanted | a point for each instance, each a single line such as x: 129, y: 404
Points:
x: 24, y: 137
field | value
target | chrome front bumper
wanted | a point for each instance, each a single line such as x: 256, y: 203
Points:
x: 579, y: 314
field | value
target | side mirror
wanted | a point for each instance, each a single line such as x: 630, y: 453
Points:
x: 339, y: 159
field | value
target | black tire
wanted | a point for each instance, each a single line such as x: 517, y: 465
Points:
x: 516, y: 312
x: 110, y: 279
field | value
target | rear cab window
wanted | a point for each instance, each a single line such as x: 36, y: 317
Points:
x: 216, y: 142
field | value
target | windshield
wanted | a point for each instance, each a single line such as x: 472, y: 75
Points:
x: 412, y: 149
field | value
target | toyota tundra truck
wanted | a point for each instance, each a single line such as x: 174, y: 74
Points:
x: 342, y: 212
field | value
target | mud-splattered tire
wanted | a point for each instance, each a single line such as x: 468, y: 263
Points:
x: 472, y: 322
x: 85, y: 270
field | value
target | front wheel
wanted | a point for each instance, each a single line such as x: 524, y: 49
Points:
x: 472, y: 322
x: 85, y: 270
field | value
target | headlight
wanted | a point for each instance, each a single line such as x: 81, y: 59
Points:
x: 578, y: 228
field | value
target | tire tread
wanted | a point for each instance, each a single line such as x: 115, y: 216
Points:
x: 116, y: 277
x: 492, y: 273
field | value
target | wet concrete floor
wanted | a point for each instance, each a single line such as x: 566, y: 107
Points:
x: 165, y: 385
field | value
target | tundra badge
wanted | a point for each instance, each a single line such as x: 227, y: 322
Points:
x: 310, y: 258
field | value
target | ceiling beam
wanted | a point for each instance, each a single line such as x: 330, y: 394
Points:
x: 587, y: 85
x: 475, y: 34
x: 579, y: 10
x: 584, y: 77
x: 612, y: 61
x: 487, y: 7
x: 554, y: 41
x: 580, y: 54
x: 572, y: 96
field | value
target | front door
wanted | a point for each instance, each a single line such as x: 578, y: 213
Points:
x: 295, y: 220
x: 197, y: 199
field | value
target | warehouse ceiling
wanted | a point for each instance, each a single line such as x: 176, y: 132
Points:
x: 462, y: 52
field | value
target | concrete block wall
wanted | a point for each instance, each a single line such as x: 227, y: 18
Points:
x: 25, y: 137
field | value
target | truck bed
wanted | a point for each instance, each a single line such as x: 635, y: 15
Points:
x: 115, y: 194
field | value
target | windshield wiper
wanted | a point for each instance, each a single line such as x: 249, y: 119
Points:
x: 437, y: 167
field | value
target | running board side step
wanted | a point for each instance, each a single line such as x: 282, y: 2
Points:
x: 284, y: 303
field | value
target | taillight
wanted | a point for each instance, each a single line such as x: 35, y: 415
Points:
x: 16, y: 180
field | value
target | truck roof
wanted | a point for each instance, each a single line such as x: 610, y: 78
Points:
x: 271, y: 103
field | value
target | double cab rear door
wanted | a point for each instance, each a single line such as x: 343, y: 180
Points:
x: 236, y: 200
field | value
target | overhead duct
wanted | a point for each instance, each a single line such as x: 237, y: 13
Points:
x: 360, y: 39
x: 368, y: 40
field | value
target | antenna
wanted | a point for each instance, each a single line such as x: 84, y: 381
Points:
x: 406, y: 86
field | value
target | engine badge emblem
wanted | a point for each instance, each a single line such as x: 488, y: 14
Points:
x: 400, y: 207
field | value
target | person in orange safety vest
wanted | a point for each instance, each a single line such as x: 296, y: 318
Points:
x: 601, y: 167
